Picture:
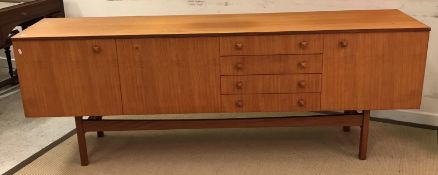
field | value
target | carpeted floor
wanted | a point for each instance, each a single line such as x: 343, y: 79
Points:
x: 22, y: 137
x: 393, y: 149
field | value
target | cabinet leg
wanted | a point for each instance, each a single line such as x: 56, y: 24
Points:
x: 364, y: 135
x: 97, y: 118
x: 348, y: 128
x: 99, y: 133
x: 81, y: 141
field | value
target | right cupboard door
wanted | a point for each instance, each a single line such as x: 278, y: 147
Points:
x: 373, y: 70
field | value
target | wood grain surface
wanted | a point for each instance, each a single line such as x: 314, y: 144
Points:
x: 270, y: 84
x: 68, y: 78
x: 375, y: 70
x: 270, y: 64
x: 228, y: 24
x: 167, y: 75
x: 272, y: 70
x: 271, y: 102
x: 271, y: 45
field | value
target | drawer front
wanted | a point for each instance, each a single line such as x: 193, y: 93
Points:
x: 273, y: 64
x: 271, y: 102
x: 258, y: 84
x: 271, y: 44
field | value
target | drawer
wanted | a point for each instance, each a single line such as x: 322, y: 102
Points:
x: 271, y: 44
x: 271, y: 102
x: 272, y: 64
x: 259, y: 84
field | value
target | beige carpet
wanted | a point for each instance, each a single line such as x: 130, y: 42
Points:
x: 393, y: 149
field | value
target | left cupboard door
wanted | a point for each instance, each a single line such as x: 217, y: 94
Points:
x: 68, y: 77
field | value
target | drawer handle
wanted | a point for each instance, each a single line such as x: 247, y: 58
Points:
x: 238, y: 46
x: 96, y: 49
x: 301, y: 102
x: 343, y: 43
x: 239, y: 103
x: 304, y: 44
x: 302, y: 64
x: 302, y: 84
x: 239, y: 66
x: 239, y: 85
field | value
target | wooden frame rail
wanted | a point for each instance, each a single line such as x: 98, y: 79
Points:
x: 347, y: 119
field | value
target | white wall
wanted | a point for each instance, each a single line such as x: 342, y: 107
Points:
x: 179, y: 7
x: 424, y: 10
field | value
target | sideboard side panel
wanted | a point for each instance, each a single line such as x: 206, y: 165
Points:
x: 169, y: 75
x: 68, y: 77
x: 374, y: 71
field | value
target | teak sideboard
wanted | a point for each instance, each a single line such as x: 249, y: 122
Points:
x: 350, y: 61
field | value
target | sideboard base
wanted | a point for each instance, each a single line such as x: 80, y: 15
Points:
x: 99, y: 125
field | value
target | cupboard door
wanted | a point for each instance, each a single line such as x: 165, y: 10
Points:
x: 169, y: 75
x: 373, y: 70
x: 68, y: 77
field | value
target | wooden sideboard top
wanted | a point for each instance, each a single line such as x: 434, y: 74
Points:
x: 228, y: 24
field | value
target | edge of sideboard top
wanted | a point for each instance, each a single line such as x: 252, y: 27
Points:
x: 223, y: 25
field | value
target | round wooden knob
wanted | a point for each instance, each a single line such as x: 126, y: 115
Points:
x: 301, y: 102
x: 304, y: 44
x: 239, y: 85
x: 239, y: 103
x: 239, y: 66
x: 96, y: 49
x: 343, y: 43
x: 238, y: 46
x: 302, y: 84
x: 302, y: 64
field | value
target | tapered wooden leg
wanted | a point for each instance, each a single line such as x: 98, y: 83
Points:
x: 364, y: 135
x: 348, y: 128
x: 81, y: 141
x: 99, y: 133
x: 97, y: 118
